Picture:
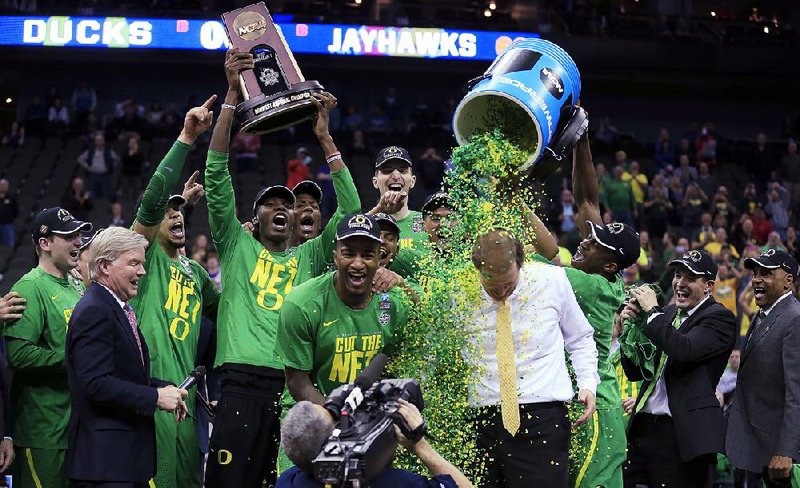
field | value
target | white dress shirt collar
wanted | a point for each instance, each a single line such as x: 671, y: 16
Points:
x: 767, y: 311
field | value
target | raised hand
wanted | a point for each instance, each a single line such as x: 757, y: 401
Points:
x: 235, y: 62
x: 325, y: 102
x: 198, y: 120
x: 193, y: 191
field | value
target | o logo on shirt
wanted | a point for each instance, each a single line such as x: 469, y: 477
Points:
x: 224, y: 457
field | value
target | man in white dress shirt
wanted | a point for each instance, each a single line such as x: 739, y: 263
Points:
x: 527, y: 318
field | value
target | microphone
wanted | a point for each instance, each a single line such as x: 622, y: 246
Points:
x: 191, y: 380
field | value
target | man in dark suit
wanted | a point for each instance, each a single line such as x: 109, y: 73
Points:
x: 112, y: 431
x: 764, y: 424
x: 678, y: 427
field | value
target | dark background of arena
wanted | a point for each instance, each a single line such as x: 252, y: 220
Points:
x: 645, y: 65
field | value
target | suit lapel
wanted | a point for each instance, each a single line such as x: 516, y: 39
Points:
x: 122, y: 319
x: 754, y: 337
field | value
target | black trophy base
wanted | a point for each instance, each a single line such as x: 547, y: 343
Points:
x: 262, y: 114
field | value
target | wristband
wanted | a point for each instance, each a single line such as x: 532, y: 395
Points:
x: 228, y: 105
x: 655, y: 309
x: 333, y: 157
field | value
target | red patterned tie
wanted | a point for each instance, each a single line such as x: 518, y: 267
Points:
x: 135, y: 328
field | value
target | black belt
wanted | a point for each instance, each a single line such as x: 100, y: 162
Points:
x: 524, y: 407
x: 655, y: 419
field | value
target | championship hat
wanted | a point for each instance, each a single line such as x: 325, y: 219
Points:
x: 698, y: 262
x: 57, y: 221
x: 774, y: 259
x: 279, y: 191
x: 359, y: 225
x: 619, y: 238
x: 392, y: 153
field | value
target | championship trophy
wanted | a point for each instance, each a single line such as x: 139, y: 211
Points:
x: 276, y: 95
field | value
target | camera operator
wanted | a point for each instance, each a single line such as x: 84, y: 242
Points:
x: 307, y: 426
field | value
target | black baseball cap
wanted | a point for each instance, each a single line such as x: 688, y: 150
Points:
x: 619, y: 238
x: 273, y: 191
x: 88, y: 238
x: 308, y: 187
x: 392, y: 153
x: 436, y: 201
x: 386, y: 219
x: 774, y: 259
x: 57, y: 221
x: 698, y: 262
x: 359, y: 225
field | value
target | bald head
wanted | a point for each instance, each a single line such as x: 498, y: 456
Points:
x: 498, y: 256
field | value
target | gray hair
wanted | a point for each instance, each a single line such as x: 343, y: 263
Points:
x: 303, y: 432
x: 111, y: 244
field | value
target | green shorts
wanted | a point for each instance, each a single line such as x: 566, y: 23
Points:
x: 597, y: 449
x: 178, y: 456
x: 39, y: 468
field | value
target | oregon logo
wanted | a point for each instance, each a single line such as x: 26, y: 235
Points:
x: 768, y: 253
x: 359, y: 221
x: 615, y: 227
x: 694, y: 256
x: 224, y: 457
x: 250, y: 25
x: 64, y: 215
x: 391, y: 151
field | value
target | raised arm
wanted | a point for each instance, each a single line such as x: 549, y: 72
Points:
x: 166, y: 176
x: 584, y: 185
x: 219, y: 188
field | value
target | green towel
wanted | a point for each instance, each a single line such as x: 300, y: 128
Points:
x: 636, y: 346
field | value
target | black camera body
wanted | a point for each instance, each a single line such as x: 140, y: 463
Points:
x: 363, y: 442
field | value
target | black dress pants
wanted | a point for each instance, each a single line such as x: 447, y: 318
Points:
x: 653, y: 458
x: 537, y: 456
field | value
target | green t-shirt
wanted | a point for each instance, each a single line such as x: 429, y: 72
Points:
x: 412, y: 233
x: 599, y: 300
x: 255, y: 281
x: 36, y: 346
x: 407, y: 262
x: 317, y: 332
x: 172, y: 298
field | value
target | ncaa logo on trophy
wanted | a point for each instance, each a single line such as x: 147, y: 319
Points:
x: 276, y: 95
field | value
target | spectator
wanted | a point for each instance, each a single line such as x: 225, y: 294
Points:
x: 750, y: 199
x: 777, y: 208
x: 15, y: 136
x: 744, y: 236
x: 421, y: 114
x: 57, y: 117
x: 131, y: 173
x: 722, y: 205
x: 706, y: 145
x: 325, y: 181
x: 431, y: 171
x: 98, y: 160
x: 792, y: 246
x: 630, y: 275
x: 685, y: 149
x: 790, y: 172
x: 619, y: 198
x: 155, y: 114
x: 8, y: 214
x: 200, y: 248
x: 761, y: 226
x: 214, y: 270
x: 378, y: 124
x: 84, y: 101
x: 657, y: 207
x: 78, y: 201
x: 720, y: 240
x: 693, y: 206
x: 117, y: 220
x: 246, y: 147
x: 130, y: 121
x: 646, y: 258
x: 705, y: 180
x: 297, y: 168
x: 602, y: 179
x: 358, y: 145
x: 665, y: 151
x: 687, y: 174
x: 727, y: 383
x: 726, y: 286
x: 638, y: 182
x: 773, y: 242
x: 761, y: 162
x: 705, y: 233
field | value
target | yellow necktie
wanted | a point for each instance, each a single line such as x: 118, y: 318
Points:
x: 507, y: 369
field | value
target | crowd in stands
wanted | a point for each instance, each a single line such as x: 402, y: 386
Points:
x: 678, y: 203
